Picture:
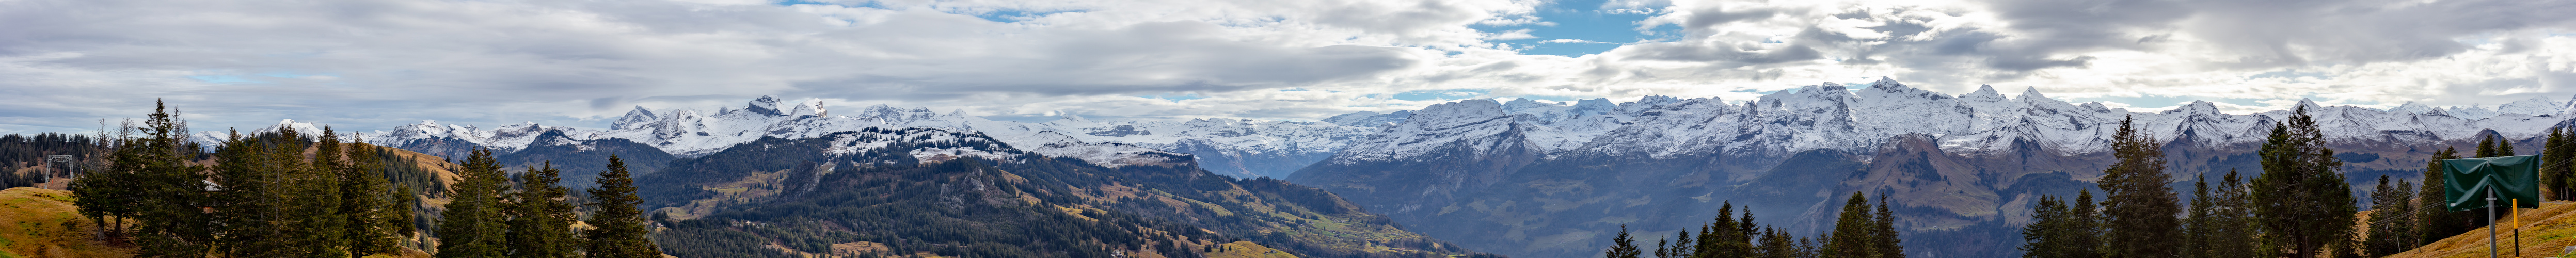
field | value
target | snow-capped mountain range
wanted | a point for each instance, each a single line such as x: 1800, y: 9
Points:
x: 1981, y: 155
x: 1834, y: 116
x: 1825, y: 116
x: 1221, y: 145
x: 1526, y: 178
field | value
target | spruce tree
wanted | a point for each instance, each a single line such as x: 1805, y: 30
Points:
x: 2232, y: 219
x: 2049, y: 233
x: 1884, y: 232
x: 2564, y: 173
x: 2198, y: 226
x: 1662, y: 248
x: 471, y: 226
x: 2504, y: 147
x: 1776, y: 243
x: 1724, y: 237
x: 541, y: 225
x: 2434, y: 224
x: 2138, y: 208
x: 375, y: 217
x: 150, y: 182
x: 2391, y: 221
x: 1852, y: 234
x: 620, y: 227
x: 1683, y: 246
x: 2304, y: 203
x: 2084, y: 225
x: 1621, y: 246
x: 250, y: 213
x: 2553, y: 172
x: 317, y: 225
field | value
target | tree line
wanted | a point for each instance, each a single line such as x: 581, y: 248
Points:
x: 1858, y: 232
x: 26, y: 151
x: 290, y: 194
x: 2299, y: 206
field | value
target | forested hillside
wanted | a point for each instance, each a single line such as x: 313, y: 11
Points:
x: 947, y: 193
x: 281, y: 192
x: 22, y: 157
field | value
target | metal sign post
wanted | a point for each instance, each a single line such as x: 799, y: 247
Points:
x: 2491, y: 226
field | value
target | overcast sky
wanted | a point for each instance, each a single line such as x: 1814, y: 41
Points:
x: 367, y: 64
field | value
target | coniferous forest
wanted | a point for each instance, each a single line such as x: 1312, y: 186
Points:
x: 286, y: 193
x: 290, y: 193
x: 2299, y: 206
x: 1859, y: 231
x: 283, y: 192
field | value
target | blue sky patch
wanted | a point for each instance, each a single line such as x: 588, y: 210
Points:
x: 1010, y: 16
x: 1581, y: 27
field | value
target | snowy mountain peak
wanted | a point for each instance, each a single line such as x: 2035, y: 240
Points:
x: 2196, y: 107
x: 1475, y: 108
x: 1885, y: 90
x: 2533, y: 106
x: 1369, y: 119
x: 1984, y: 92
x: 1069, y: 116
x: 2029, y: 93
x: 809, y: 108
x: 1887, y: 83
x: 1649, y: 101
x: 2413, y: 108
x: 766, y: 105
x: 632, y: 118
x: 2472, y: 112
x: 1595, y: 106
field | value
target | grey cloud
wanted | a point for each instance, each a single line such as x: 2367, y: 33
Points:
x: 386, y: 63
x: 2271, y: 33
x: 1701, y: 19
x: 1721, y: 54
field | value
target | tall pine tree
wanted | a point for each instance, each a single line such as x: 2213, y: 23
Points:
x: 471, y: 225
x: 1853, y: 234
x: 541, y: 218
x: 2553, y: 169
x: 2232, y: 234
x: 1883, y: 231
x: 150, y: 181
x: 2434, y: 224
x: 620, y: 227
x: 2197, y: 223
x: 2391, y: 219
x: 2304, y: 204
x: 2051, y: 231
x: 2138, y: 208
x: 318, y: 226
x: 1622, y: 246
x: 377, y: 215
x: 249, y: 210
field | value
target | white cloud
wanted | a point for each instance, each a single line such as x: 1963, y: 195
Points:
x: 376, y: 63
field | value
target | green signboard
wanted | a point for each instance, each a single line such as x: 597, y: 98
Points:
x: 2466, y: 182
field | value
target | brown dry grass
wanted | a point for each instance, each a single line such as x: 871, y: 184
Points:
x: 2544, y: 232
x: 43, y: 223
